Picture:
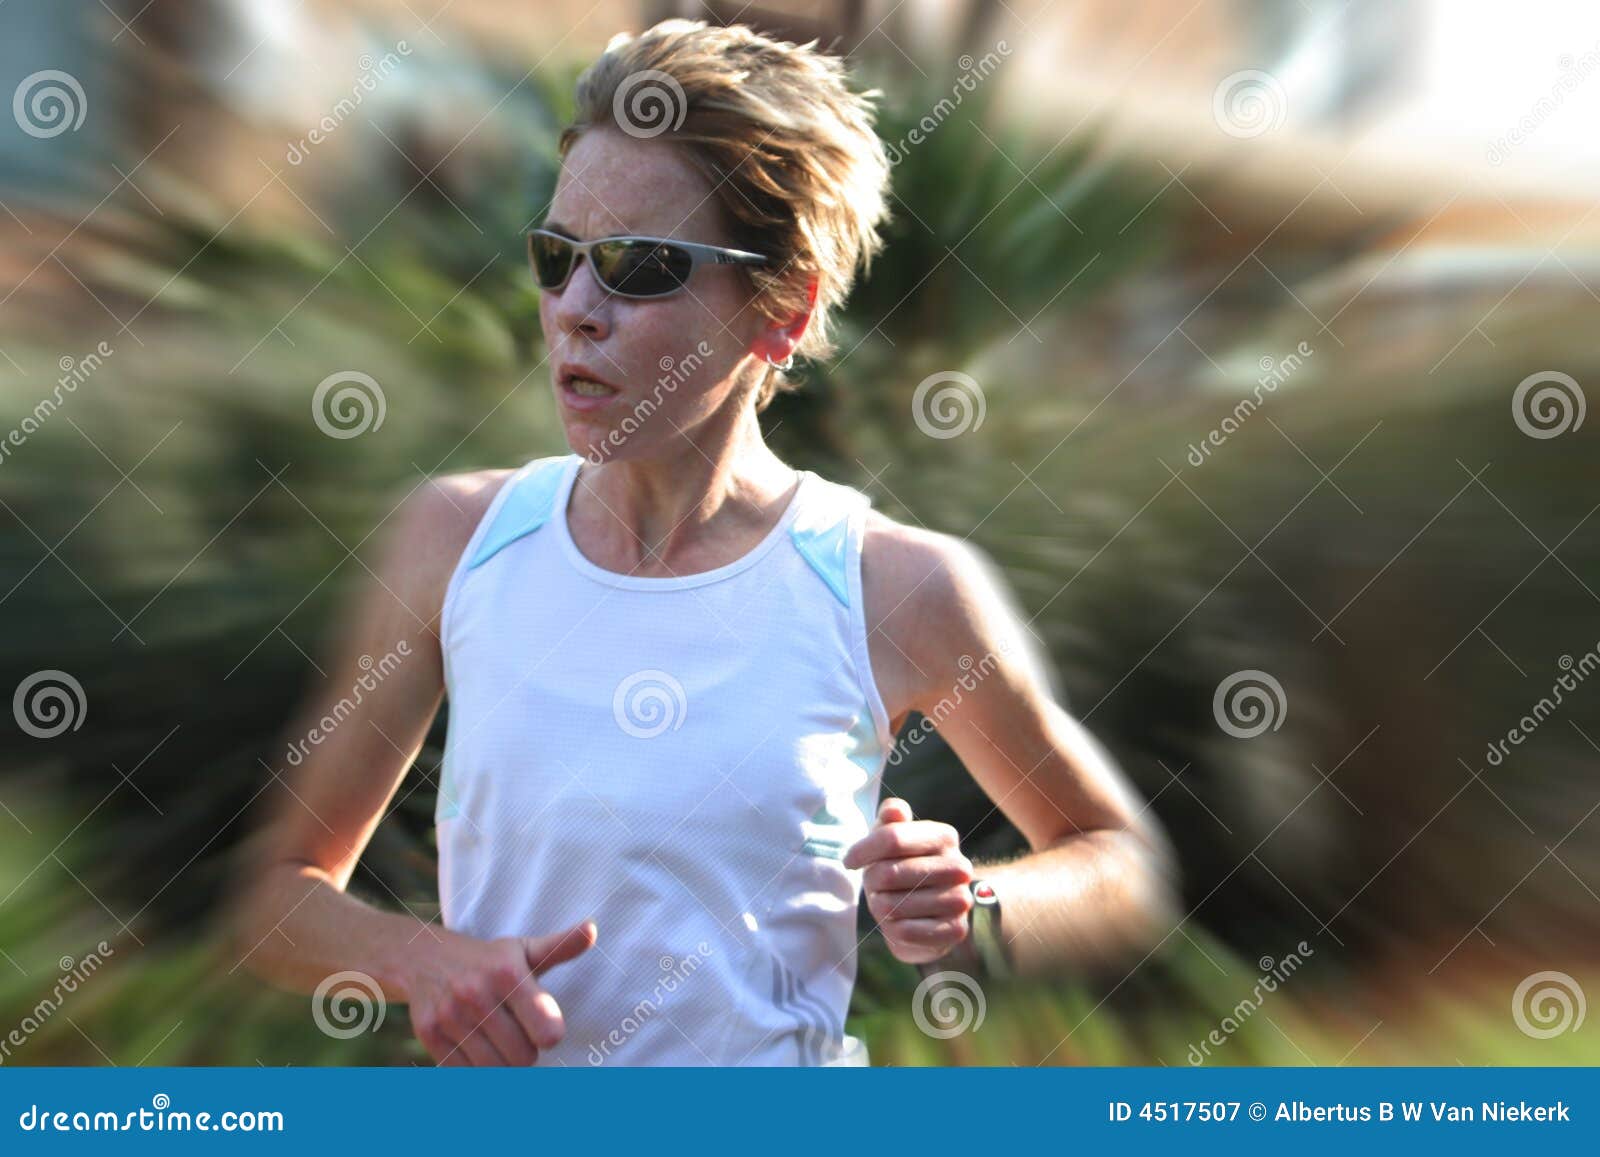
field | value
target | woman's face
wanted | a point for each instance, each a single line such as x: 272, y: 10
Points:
x: 672, y: 362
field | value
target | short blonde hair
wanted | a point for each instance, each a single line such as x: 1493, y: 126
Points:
x: 790, y: 150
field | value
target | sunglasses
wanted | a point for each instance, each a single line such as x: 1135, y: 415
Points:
x: 627, y: 266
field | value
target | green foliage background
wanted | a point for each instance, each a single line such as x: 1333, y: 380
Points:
x: 184, y: 587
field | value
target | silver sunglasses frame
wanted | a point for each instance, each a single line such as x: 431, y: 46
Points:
x: 698, y: 255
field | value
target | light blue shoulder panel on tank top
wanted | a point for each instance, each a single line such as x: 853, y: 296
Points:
x: 525, y: 510
x: 822, y: 543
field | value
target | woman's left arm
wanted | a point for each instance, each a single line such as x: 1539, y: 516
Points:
x: 1097, y: 884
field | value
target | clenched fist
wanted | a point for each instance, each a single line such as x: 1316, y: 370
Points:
x: 479, y: 1002
x: 916, y: 882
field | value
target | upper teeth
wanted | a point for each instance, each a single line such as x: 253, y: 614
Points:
x: 588, y: 386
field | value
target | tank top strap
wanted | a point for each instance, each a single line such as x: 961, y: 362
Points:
x: 525, y: 503
x: 829, y: 533
x: 826, y: 532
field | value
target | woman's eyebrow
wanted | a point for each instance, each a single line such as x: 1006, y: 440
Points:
x: 556, y: 227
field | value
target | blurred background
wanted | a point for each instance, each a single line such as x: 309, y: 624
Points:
x: 1251, y: 338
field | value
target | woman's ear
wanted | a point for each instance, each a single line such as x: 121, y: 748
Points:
x: 780, y: 339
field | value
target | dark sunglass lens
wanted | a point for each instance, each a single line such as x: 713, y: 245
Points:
x: 642, y: 268
x: 551, y: 258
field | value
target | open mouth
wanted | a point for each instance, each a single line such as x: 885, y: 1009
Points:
x: 582, y: 392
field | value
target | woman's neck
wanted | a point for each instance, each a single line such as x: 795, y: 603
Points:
x: 700, y: 490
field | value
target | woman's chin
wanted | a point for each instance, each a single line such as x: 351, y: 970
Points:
x: 594, y: 437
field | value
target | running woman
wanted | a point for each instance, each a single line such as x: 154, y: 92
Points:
x: 675, y: 665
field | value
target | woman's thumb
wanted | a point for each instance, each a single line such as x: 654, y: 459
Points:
x: 559, y: 947
x: 893, y: 811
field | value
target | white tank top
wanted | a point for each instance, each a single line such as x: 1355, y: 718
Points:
x: 683, y: 759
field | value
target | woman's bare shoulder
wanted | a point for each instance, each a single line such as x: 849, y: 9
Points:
x: 429, y: 527
x: 915, y: 583
x: 935, y: 600
x: 913, y: 573
x: 440, y: 513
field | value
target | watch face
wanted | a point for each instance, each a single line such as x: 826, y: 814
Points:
x: 983, y: 892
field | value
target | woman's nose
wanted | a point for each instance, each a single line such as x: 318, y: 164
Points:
x: 583, y: 306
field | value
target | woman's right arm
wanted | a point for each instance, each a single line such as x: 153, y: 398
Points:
x: 472, y: 1001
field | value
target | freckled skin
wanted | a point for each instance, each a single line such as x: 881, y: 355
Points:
x: 613, y: 184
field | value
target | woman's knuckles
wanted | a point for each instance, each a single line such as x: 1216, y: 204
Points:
x: 469, y: 996
x: 504, y: 978
x: 919, y: 873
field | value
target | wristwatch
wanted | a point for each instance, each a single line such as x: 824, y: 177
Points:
x: 985, y: 929
x: 983, y: 952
